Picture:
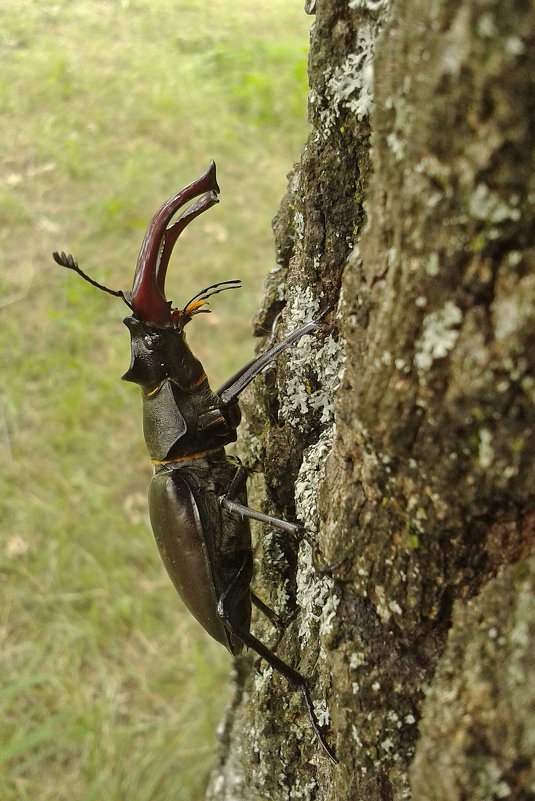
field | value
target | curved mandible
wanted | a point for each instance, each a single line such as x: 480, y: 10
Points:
x: 148, y: 291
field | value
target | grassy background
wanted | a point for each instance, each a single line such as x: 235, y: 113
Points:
x: 108, y: 691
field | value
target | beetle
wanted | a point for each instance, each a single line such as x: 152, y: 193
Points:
x: 198, y: 495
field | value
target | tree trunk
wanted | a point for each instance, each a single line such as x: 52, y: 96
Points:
x: 415, y: 464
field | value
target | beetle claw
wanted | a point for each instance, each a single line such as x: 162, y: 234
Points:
x: 315, y: 725
x: 325, y: 568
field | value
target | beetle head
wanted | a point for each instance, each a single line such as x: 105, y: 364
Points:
x: 154, y: 324
x: 157, y: 353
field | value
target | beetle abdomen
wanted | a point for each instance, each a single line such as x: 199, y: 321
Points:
x: 179, y: 535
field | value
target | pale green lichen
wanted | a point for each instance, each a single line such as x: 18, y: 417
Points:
x: 440, y: 333
x: 486, y: 451
x: 489, y: 207
x: 369, y: 5
x: 315, y: 593
x: 306, y: 358
x: 349, y: 86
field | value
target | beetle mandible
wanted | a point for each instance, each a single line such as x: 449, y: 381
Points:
x: 197, y: 496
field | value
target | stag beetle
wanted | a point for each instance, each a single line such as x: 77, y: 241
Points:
x: 197, y: 496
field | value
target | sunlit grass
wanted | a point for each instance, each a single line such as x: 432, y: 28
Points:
x: 108, y: 690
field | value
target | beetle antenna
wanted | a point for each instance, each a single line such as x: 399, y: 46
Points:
x: 67, y: 260
x: 214, y: 289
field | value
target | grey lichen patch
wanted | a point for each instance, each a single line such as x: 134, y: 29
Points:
x: 228, y: 781
x: 254, y: 444
x: 304, y: 790
x: 371, y: 6
x: 317, y: 600
x: 310, y: 476
x: 486, y: 451
x: 489, y: 207
x: 513, y: 308
x: 299, y: 223
x: 440, y: 333
x: 306, y: 362
x: 348, y: 88
x: 315, y: 593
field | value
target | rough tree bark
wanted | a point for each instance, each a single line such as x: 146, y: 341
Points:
x: 414, y: 197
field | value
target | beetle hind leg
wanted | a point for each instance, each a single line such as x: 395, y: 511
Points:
x: 227, y: 501
x: 226, y: 609
x: 293, y: 676
x: 272, y: 616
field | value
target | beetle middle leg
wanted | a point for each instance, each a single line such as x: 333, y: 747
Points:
x: 266, y: 610
x: 227, y: 501
x: 299, y: 532
x: 291, y: 528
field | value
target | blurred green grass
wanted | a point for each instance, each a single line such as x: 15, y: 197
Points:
x: 108, y: 690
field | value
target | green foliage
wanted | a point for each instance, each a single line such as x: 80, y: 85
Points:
x: 108, y: 690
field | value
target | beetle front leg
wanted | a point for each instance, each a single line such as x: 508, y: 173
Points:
x: 238, y: 374
x: 234, y: 386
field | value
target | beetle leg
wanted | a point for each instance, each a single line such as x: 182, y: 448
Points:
x: 274, y: 619
x: 272, y: 616
x: 245, y: 367
x: 237, y: 383
x: 325, y: 568
x: 238, y: 481
x: 294, y: 677
x: 252, y: 514
x: 291, y: 528
x: 225, y: 607
x: 233, y: 386
x: 234, y: 488
x: 227, y: 502
x: 230, y: 410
